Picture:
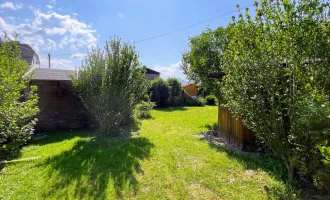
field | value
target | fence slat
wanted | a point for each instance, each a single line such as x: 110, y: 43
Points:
x: 234, y: 130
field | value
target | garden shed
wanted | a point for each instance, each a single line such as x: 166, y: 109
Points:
x: 60, y: 108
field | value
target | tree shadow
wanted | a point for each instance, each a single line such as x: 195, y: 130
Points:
x: 267, y: 163
x: 58, y: 136
x: 171, y: 109
x: 92, y: 164
x: 213, y: 126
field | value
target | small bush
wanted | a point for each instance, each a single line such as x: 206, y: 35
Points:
x: 143, y: 110
x: 200, y: 101
x: 322, y: 177
x: 210, y: 100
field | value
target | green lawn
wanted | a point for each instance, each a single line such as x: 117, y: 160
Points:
x: 163, y: 160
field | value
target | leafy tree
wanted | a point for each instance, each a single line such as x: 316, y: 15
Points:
x: 205, y: 58
x: 159, y: 92
x: 175, y: 90
x: 277, y: 72
x: 17, y: 109
x: 111, y: 83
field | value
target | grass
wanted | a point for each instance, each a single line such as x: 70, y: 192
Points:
x: 163, y: 160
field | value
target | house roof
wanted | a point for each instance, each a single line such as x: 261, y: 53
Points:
x: 59, y: 74
x: 52, y: 74
x: 27, y: 53
x: 150, y: 71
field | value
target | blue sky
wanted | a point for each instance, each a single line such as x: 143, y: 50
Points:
x: 68, y: 29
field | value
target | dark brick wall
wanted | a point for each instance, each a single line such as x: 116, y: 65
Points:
x: 60, y: 108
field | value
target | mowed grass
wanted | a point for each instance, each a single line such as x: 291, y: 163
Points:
x: 164, y: 159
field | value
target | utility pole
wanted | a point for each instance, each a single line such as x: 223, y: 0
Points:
x: 49, y: 60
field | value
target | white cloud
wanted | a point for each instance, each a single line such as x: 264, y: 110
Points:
x: 50, y: 32
x: 79, y: 56
x: 52, y: 1
x: 75, y: 14
x: 171, y: 71
x: 35, y: 41
x: 121, y: 15
x: 50, y: 7
x: 80, y: 35
x: 57, y: 63
x: 55, y: 31
x: 50, y: 45
x: 11, y: 6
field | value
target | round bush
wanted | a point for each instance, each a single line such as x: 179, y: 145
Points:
x: 210, y: 100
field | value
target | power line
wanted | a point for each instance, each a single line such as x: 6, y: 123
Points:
x: 181, y: 29
x: 174, y: 31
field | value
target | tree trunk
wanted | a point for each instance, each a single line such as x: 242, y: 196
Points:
x: 290, y: 168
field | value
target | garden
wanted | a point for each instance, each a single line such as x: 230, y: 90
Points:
x: 269, y: 67
x: 163, y: 159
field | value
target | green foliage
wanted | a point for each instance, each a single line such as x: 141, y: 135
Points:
x: 111, y: 83
x: 143, y: 110
x: 159, y: 92
x: 18, y: 101
x: 210, y: 100
x: 277, y: 73
x: 322, y: 177
x: 175, y: 91
x: 200, y: 101
x: 205, y: 58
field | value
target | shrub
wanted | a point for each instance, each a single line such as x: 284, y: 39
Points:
x: 111, y: 83
x: 322, y: 177
x: 277, y: 89
x: 17, y: 110
x: 159, y: 92
x: 210, y: 100
x: 175, y: 91
x: 200, y: 101
x: 143, y: 110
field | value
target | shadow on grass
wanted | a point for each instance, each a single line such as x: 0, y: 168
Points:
x: 58, y: 136
x: 91, y: 165
x: 269, y: 164
x: 213, y: 126
x: 171, y: 109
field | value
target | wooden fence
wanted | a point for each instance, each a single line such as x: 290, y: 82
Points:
x: 234, y: 130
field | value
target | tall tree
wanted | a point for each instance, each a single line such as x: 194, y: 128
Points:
x: 111, y: 83
x: 17, y: 109
x: 277, y: 72
x: 204, y: 59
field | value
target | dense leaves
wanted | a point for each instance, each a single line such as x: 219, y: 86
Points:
x: 210, y: 100
x: 277, y: 75
x: 175, y: 92
x: 205, y: 58
x: 18, y: 102
x: 159, y: 92
x: 111, y: 83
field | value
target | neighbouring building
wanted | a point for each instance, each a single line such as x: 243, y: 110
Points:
x: 152, y: 74
x: 190, y: 89
x: 29, y: 55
